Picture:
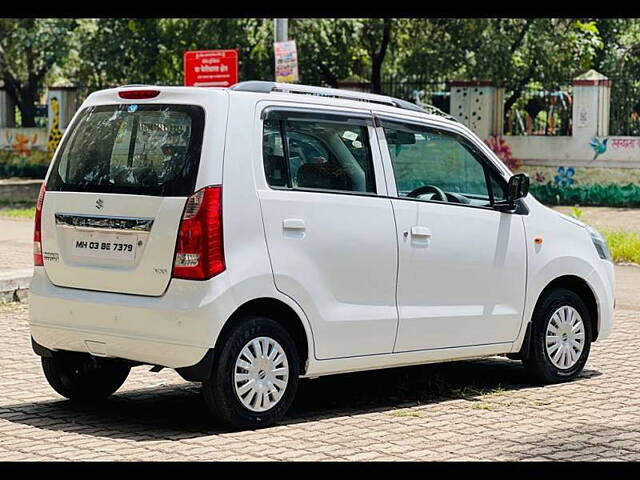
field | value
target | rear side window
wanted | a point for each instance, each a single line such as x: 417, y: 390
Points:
x: 133, y: 149
x: 322, y: 153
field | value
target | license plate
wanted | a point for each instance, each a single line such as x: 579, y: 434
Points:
x: 111, y: 246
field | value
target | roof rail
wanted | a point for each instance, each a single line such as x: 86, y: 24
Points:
x: 259, y: 86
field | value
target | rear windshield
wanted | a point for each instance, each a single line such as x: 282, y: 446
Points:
x: 134, y: 149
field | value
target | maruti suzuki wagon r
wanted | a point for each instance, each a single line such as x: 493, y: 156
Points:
x: 251, y: 236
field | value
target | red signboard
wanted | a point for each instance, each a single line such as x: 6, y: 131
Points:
x: 211, y: 68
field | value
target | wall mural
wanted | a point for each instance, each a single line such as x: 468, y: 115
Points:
x: 501, y: 148
x: 23, y: 141
x: 599, y: 146
x: 54, y: 133
x: 564, y: 177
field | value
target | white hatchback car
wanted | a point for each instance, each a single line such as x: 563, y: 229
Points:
x: 250, y: 236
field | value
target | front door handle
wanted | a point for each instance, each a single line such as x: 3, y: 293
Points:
x: 293, y: 224
x: 419, y: 231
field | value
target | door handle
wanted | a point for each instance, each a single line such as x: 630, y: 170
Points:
x: 293, y: 224
x: 419, y: 231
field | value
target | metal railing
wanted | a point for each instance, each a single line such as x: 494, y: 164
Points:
x: 624, y: 119
x: 540, y: 112
x: 421, y: 91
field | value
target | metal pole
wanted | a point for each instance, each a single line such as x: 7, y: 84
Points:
x: 281, y: 27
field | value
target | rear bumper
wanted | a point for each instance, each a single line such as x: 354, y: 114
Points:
x: 175, y: 330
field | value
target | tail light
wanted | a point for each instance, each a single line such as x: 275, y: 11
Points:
x: 37, y: 230
x: 199, y: 249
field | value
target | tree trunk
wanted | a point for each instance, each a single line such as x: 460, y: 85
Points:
x: 378, y: 58
x: 28, y: 112
x: 27, y: 100
x: 24, y: 96
x: 518, y: 90
x: 328, y: 75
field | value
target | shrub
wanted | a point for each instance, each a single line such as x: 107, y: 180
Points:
x: 611, y: 195
x: 33, y: 166
x: 624, y: 245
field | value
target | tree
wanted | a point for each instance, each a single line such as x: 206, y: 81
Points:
x: 515, y: 52
x: 329, y: 50
x: 118, y: 51
x: 29, y: 49
x: 376, y: 36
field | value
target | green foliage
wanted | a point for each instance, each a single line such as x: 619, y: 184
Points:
x: 320, y: 62
x: 624, y: 245
x: 513, y: 52
x: 611, y: 195
x: 116, y: 51
x: 577, y: 212
x: 30, y: 51
x: 17, y: 211
x: 33, y: 166
x: 508, y: 51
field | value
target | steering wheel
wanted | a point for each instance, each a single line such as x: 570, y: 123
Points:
x: 427, y: 189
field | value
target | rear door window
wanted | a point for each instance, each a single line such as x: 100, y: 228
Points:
x: 318, y: 152
x: 134, y: 149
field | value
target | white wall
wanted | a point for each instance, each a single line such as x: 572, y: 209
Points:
x: 621, y: 152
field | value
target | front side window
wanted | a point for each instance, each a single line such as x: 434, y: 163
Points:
x: 149, y: 149
x: 309, y: 153
x: 435, y: 165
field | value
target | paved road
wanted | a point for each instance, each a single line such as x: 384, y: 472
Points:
x: 470, y: 410
x: 16, y: 243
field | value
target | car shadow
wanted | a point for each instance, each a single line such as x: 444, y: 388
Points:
x: 178, y: 411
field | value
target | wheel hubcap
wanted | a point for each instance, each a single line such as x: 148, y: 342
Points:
x: 261, y: 374
x: 565, y: 337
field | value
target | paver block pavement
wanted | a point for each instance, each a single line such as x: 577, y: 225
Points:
x: 484, y: 409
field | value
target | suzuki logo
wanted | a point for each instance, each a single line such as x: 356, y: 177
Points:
x: 99, y: 204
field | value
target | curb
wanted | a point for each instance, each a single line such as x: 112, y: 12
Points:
x: 14, y: 284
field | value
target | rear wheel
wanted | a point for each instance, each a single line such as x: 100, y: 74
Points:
x: 561, y: 337
x: 255, y: 375
x: 83, y: 377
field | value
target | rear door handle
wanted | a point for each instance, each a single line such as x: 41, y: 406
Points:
x: 419, y: 231
x: 293, y: 224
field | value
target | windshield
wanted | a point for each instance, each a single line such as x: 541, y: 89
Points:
x: 134, y: 149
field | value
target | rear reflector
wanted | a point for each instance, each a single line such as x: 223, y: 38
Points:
x: 37, y: 230
x: 139, y: 94
x: 200, y: 249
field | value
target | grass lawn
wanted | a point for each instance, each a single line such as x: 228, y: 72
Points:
x: 17, y: 210
x: 624, y: 245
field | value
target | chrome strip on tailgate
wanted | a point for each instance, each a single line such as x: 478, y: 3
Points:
x: 98, y: 221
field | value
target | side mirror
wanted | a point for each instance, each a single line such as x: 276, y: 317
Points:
x: 518, y: 187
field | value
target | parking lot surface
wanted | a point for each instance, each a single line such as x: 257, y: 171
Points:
x: 470, y: 410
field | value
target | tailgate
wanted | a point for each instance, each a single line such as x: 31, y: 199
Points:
x: 116, y: 191
x: 127, y: 247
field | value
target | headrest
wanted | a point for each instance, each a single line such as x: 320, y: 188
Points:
x: 323, y: 175
x: 275, y: 168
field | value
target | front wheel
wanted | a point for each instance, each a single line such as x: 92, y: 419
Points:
x: 255, y: 375
x: 83, y: 377
x: 561, y: 337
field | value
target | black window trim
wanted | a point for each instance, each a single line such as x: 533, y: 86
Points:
x: 302, y: 113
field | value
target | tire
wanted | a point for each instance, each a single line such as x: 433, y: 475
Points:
x: 261, y: 384
x: 549, y: 364
x: 83, y: 377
